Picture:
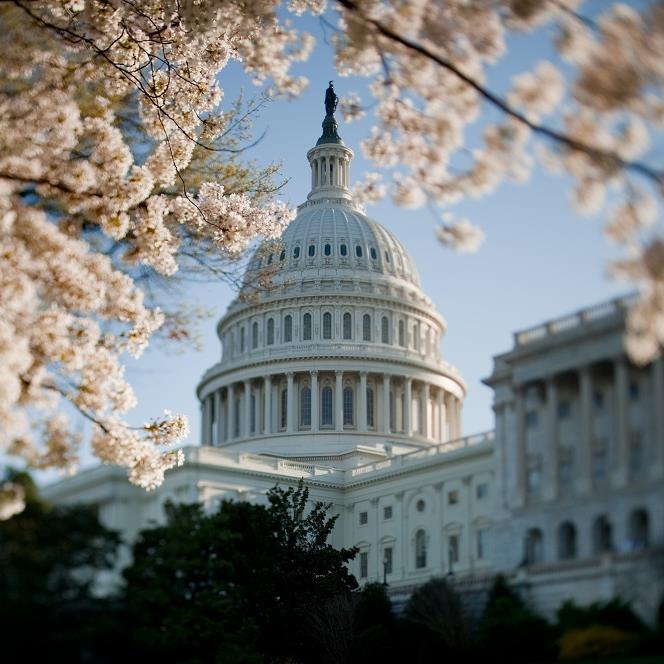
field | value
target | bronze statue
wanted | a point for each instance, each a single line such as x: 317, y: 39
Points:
x: 331, y: 100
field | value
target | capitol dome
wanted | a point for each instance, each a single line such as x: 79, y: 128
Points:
x: 331, y: 348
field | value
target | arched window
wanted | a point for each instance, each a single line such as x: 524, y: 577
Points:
x: 252, y: 407
x: 358, y: 250
x: 374, y: 255
x: 349, y: 418
x: 312, y: 250
x: 639, y: 535
x: 347, y: 326
x: 327, y: 250
x: 270, y: 331
x: 370, y: 408
x: 254, y: 335
x: 392, y: 412
x: 402, y: 334
x: 567, y: 541
x: 296, y: 252
x: 242, y: 335
x: 343, y: 250
x: 533, y: 547
x: 420, y: 549
x: 282, y: 255
x: 284, y: 409
x: 305, y: 407
x: 326, y: 406
x: 366, y: 327
x: 288, y: 328
x: 602, y: 535
x: 306, y: 327
x: 385, y: 330
x: 327, y: 325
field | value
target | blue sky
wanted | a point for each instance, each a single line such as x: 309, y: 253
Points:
x: 539, y: 260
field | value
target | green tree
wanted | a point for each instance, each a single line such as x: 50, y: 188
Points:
x: 50, y: 558
x: 238, y: 584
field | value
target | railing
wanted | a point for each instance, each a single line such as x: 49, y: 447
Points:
x: 571, y: 321
x: 411, y: 457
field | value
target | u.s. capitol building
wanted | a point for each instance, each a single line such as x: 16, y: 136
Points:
x: 334, y: 374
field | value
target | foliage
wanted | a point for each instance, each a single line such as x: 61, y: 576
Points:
x: 49, y: 560
x: 511, y: 631
x: 596, y: 641
x: 611, y: 613
x: 236, y: 583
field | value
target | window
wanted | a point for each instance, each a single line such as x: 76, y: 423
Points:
x: 348, y: 406
x: 565, y: 472
x: 635, y: 453
x: 564, y: 410
x: 364, y: 564
x: 284, y: 408
x: 387, y: 256
x: 347, y: 326
x: 420, y: 506
x: 392, y: 412
x: 306, y: 327
x: 453, y: 546
x: 269, y: 259
x: 296, y: 252
x: 482, y: 543
x: 370, y: 408
x: 534, y: 479
x: 364, y: 518
x: 327, y: 250
x: 402, y: 334
x: 416, y: 336
x: 237, y: 418
x: 254, y: 335
x: 358, y: 251
x: 385, y: 330
x: 282, y: 255
x: 567, y: 541
x: 242, y: 340
x: 482, y: 490
x: 420, y: 549
x: 288, y: 328
x: 270, y: 331
x: 252, y: 408
x: 598, y: 400
x: 533, y: 547
x: 602, y: 535
x: 366, y: 327
x: 305, y: 407
x: 387, y: 512
x: 326, y: 406
x: 387, y: 560
x: 327, y: 325
x: 312, y: 250
x: 343, y: 250
x: 639, y: 530
x: 374, y: 254
x: 531, y: 419
x: 452, y: 497
x: 633, y: 390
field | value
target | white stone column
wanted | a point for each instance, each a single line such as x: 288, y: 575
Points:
x: 362, y: 403
x: 520, y: 451
x: 205, y: 418
x: 315, y: 418
x: 338, y: 401
x: 458, y: 426
x: 216, y: 437
x: 448, y: 430
x: 247, y: 408
x: 584, y: 450
x: 408, y: 409
x: 290, y: 401
x: 231, y: 411
x: 385, y: 426
x: 657, y: 469
x: 621, y: 442
x: 426, y: 412
x: 267, y: 404
x: 440, y: 414
x: 550, y: 460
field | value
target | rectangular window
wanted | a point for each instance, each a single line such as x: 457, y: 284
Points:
x: 364, y: 518
x: 387, y: 512
x: 564, y: 410
x: 252, y: 407
x: 364, y: 564
x: 452, y: 497
x: 326, y: 403
x: 482, y: 490
x: 370, y: 408
x: 349, y: 418
x: 387, y: 560
x: 453, y: 548
x: 532, y: 419
x: 482, y: 543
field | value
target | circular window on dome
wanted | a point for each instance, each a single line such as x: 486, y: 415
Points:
x: 387, y: 255
x: 282, y: 255
x: 312, y: 250
x: 374, y: 254
x: 296, y: 252
x: 420, y: 505
x: 358, y: 251
x: 327, y: 249
x: 343, y: 250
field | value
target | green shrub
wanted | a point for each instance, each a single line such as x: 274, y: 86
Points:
x: 595, y: 642
x: 613, y: 613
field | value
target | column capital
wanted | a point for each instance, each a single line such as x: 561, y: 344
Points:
x: 338, y: 372
x: 364, y: 373
x: 290, y: 374
x: 313, y: 372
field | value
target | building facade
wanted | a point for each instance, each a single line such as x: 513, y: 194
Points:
x: 333, y: 373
